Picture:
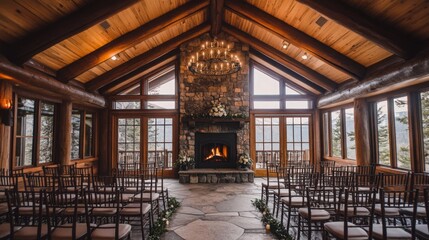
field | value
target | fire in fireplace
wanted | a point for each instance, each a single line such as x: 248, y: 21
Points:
x: 215, y: 150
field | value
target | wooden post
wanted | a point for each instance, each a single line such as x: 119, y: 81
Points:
x: 5, y: 92
x: 104, y: 160
x: 64, y: 145
x: 362, y: 132
x: 317, y: 136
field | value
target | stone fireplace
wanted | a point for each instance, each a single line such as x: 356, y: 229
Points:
x: 215, y: 150
x: 196, y: 94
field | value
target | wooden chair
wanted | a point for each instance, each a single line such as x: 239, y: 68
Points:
x: 51, y: 170
x: 350, y: 209
x: 393, y: 225
x: 31, y: 219
x: 422, y: 230
x: 271, y: 184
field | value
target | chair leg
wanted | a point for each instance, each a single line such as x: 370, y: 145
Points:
x: 299, y: 227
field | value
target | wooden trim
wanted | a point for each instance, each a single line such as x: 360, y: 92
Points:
x: 91, y: 14
x: 145, y: 58
x: 355, y: 21
x: 298, y: 38
x: 216, y: 16
x: 282, y: 58
x: 122, y: 43
x: 362, y: 121
x: 415, y: 133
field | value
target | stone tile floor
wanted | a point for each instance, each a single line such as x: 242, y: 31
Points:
x: 216, y: 212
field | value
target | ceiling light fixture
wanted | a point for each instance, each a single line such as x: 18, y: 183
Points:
x: 114, y: 58
x: 285, y: 44
x: 305, y: 56
x: 214, y: 58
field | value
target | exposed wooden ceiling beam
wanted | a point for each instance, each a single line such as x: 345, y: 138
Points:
x: 145, y: 58
x: 292, y: 76
x: 298, y: 38
x: 282, y: 58
x: 396, y: 75
x: 216, y: 16
x: 88, y: 16
x: 33, y: 79
x: 129, y: 39
x: 352, y: 19
x: 130, y: 78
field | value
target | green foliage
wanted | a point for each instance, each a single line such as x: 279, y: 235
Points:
x: 267, y: 218
x: 336, y: 136
x: 160, y: 225
x: 383, y: 138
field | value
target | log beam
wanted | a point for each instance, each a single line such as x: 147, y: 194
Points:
x: 145, y: 58
x: 88, y: 16
x: 399, y: 73
x: 129, y: 39
x: 362, y: 131
x: 350, y: 18
x: 28, y: 78
x: 298, y: 38
x: 282, y: 58
x: 64, y: 149
x: 216, y: 16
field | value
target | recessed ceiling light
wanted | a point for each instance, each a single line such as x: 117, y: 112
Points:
x: 304, y: 56
x: 285, y: 44
x: 114, y: 58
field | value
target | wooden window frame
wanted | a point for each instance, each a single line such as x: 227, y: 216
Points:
x: 82, y: 134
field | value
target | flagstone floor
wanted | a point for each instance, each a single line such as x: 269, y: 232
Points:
x: 216, y: 212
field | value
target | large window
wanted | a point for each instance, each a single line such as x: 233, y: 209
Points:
x: 34, y: 132
x: 82, y: 134
x: 271, y: 91
x: 339, y: 133
x: 424, y: 101
x: 128, y: 141
x: 392, y: 126
x: 160, y: 141
x: 157, y: 91
x: 298, y: 140
x: 267, y: 134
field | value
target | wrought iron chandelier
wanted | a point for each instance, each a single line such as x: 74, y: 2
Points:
x: 214, y: 59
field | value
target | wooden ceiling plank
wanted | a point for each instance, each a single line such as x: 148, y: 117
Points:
x: 216, y: 16
x: 307, y: 82
x: 298, y: 38
x: 363, y: 25
x: 282, y: 58
x: 129, y: 39
x: 112, y: 88
x: 88, y: 16
x: 145, y: 58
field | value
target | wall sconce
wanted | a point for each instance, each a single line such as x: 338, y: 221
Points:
x: 6, y: 111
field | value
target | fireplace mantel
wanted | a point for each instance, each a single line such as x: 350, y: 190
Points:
x: 233, y: 122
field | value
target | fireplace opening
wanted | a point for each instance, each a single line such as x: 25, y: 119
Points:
x: 215, y: 150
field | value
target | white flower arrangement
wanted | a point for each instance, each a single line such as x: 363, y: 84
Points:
x: 244, y: 161
x: 217, y: 110
x: 184, y: 161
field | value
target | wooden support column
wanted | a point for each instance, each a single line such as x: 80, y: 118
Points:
x: 362, y: 132
x: 64, y: 144
x: 104, y: 159
x: 317, y: 136
x: 5, y: 92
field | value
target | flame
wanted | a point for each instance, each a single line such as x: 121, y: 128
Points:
x: 218, y: 151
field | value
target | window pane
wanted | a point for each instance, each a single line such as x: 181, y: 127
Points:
x: 25, y: 132
x: 297, y: 137
x: 163, y: 83
x: 350, y: 133
x: 75, y: 134
x: 134, y: 90
x: 326, y: 134
x: 128, y: 141
x: 89, y: 135
x: 161, y: 104
x: 46, y: 132
x: 299, y: 104
x: 424, y: 99
x: 401, y: 132
x: 267, y: 137
x: 266, y: 104
x: 127, y: 105
x: 383, y: 133
x: 160, y: 140
x: 291, y: 91
x: 336, y: 134
x: 264, y: 84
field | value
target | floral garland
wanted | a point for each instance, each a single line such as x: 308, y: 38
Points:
x: 160, y: 226
x: 184, y: 161
x: 217, y: 109
x: 271, y: 223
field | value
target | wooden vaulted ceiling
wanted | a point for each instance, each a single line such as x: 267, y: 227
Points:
x: 74, y: 40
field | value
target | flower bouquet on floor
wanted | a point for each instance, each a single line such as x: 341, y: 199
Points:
x: 184, y: 162
x: 244, y: 161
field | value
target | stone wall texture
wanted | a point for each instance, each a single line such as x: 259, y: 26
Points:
x: 197, y: 92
